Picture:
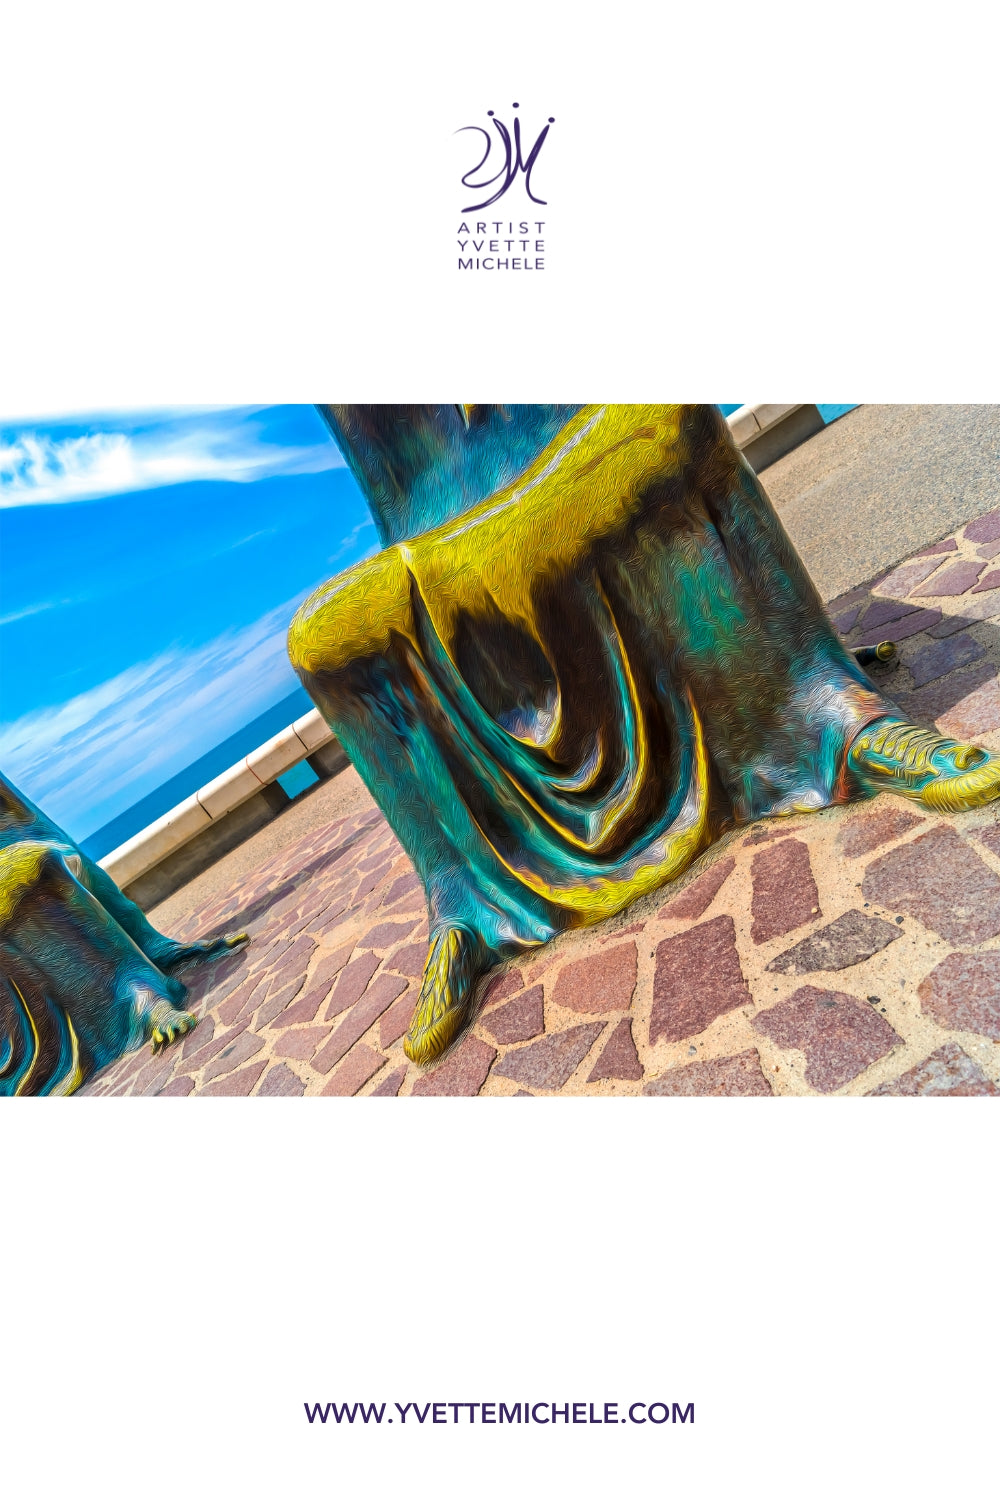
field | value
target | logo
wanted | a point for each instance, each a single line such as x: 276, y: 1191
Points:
x: 513, y: 160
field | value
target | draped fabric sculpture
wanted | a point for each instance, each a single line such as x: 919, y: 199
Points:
x: 83, y: 976
x: 586, y: 647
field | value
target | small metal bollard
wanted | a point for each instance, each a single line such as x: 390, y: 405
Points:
x: 867, y: 655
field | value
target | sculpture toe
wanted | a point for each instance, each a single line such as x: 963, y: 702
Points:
x: 165, y: 1024
x: 204, y: 952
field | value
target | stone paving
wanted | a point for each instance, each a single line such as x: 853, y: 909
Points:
x: 853, y: 951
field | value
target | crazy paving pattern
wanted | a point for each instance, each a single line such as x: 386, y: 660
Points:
x: 855, y: 951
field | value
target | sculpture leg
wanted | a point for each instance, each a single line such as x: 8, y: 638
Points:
x: 559, y: 698
x: 462, y: 793
x: 20, y: 819
x: 165, y: 952
x: 77, y: 991
x: 394, y: 727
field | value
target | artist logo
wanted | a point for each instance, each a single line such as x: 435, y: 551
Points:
x: 508, y: 152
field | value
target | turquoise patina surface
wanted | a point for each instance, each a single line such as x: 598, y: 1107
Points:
x: 84, y: 976
x: 586, y: 648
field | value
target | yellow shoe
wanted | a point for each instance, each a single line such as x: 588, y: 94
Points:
x: 892, y: 755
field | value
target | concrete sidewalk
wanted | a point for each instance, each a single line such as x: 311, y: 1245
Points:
x: 853, y: 951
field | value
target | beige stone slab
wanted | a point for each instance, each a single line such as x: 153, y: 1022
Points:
x: 743, y: 425
x: 146, y: 849
x: 769, y: 414
x: 236, y: 785
x: 313, y: 730
x: 276, y: 755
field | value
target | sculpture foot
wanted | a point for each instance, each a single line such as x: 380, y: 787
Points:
x: 447, y: 994
x: 164, y: 1024
x: 177, y: 954
x: 892, y: 755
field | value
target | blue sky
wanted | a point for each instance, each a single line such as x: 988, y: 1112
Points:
x: 149, y: 565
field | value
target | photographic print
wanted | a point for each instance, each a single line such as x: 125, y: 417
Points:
x: 585, y: 788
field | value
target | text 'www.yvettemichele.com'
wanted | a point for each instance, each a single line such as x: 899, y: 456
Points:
x: 489, y: 1413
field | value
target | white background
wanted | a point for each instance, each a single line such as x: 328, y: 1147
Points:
x: 212, y: 202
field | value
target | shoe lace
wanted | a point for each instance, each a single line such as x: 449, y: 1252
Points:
x: 912, y: 748
x: 909, y: 745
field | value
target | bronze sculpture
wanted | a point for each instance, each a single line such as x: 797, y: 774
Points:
x: 586, y: 648
x: 84, y: 976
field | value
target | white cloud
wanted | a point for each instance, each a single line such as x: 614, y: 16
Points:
x: 32, y: 609
x: 37, y: 468
x: 349, y: 540
x: 92, y: 757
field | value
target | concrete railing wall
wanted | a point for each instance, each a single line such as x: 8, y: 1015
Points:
x: 206, y: 818
x: 203, y: 827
